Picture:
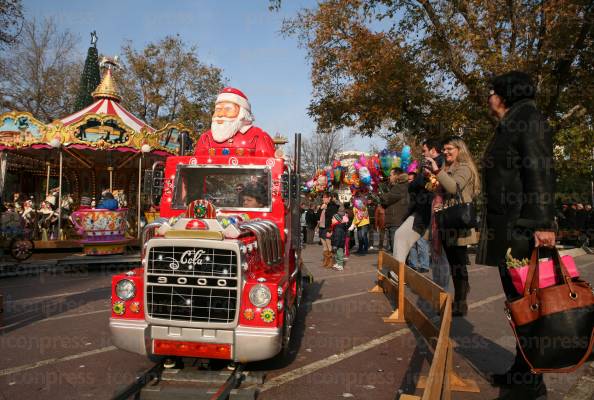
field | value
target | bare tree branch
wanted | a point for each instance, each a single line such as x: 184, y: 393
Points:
x: 42, y: 71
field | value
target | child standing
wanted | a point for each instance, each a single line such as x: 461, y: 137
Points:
x: 361, y: 222
x: 339, y: 234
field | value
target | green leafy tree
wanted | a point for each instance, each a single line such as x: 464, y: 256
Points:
x: 89, y: 80
x: 167, y: 82
x: 421, y: 67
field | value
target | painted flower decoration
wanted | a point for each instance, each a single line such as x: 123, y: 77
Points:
x: 199, y: 210
x: 267, y: 315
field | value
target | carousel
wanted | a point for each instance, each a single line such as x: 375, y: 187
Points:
x: 57, y: 176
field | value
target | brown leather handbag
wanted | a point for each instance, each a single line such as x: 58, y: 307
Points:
x: 554, y: 326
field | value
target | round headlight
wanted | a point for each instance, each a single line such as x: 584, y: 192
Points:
x: 260, y: 296
x: 125, y: 289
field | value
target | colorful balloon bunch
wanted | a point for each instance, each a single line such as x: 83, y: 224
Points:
x: 364, y: 176
x: 321, y: 182
x: 394, y: 159
x: 362, y: 181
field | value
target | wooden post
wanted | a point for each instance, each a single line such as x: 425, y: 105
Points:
x: 47, y: 178
x: 60, y: 196
x: 110, y: 169
x: 442, y: 379
x: 455, y: 382
x: 397, y: 317
x: 138, y: 205
x: 380, y: 262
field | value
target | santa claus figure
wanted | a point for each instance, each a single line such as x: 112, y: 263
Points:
x: 231, y: 131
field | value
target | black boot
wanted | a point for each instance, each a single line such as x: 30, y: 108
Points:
x: 460, y: 305
x: 526, y: 392
x: 518, y: 374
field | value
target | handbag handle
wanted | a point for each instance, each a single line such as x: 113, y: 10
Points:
x: 558, y: 262
x: 533, y: 273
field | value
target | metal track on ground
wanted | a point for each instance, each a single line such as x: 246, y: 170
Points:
x: 70, y: 263
x: 191, y: 383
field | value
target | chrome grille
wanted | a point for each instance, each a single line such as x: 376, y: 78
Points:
x: 192, y: 284
x: 184, y: 261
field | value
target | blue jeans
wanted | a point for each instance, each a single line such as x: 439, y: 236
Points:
x: 418, y: 257
x: 362, y: 239
x: 340, y: 257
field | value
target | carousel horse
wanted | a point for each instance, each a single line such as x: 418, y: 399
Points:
x: 29, y: 216
x: 67, y: 203
x: 66, y: 210
x: 121, y: 198
x: 48, y: 221
x: 16, y: 202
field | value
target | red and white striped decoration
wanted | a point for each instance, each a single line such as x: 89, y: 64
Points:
x: 109, y: 107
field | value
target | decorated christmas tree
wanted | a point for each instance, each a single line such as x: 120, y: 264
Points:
x: 90, y: 78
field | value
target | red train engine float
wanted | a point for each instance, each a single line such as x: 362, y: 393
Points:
x: 221, y: 269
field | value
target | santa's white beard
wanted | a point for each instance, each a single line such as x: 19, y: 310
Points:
x: 226, y: 130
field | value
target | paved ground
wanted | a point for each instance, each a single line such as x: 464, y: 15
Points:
x: 55, y: 342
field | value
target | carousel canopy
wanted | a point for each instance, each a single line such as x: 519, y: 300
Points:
x: 104, y: 125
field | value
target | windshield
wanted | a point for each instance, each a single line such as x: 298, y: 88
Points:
x: 234, y: 188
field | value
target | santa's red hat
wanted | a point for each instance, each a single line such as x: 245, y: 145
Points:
x: 234, y: 96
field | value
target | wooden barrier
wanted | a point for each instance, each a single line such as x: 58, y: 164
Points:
x: 388, y: 274
x: 392, y: 277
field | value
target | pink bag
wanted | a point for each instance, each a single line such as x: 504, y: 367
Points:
x: 546, y: 273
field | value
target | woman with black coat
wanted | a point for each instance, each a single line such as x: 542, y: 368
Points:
x: 518, y: 180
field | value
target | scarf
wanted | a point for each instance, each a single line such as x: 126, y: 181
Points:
x: 435, y: 237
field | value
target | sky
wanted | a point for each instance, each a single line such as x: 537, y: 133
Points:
x: 240, y: 36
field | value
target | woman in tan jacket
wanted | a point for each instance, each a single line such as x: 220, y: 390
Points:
x: 459, y: 171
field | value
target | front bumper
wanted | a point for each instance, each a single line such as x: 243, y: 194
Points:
x: 255, y: 344
x: 131, y: 335
x: 247, y: 343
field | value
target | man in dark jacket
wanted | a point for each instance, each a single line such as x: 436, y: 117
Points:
x: 418, y: 218
x: 310, y: 223
x: 395, y: 202
x: 518, y: 181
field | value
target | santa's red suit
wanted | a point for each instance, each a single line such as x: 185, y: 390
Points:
x: 248, y: 140
x: 254, y: 142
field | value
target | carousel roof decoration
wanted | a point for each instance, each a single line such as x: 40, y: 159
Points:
x: 107, y: 102
x: 20, y: 129
x: 106, y: 125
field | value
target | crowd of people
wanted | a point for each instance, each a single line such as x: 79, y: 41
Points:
x: 576, y: 223
x: 516, y: 189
